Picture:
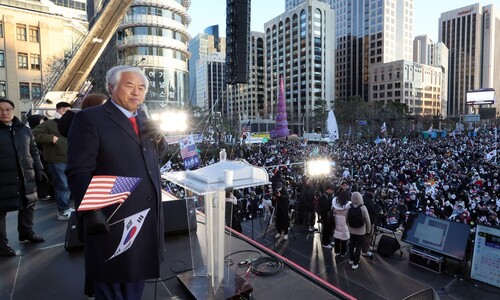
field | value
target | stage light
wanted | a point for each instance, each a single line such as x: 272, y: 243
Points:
x: 319, y: 167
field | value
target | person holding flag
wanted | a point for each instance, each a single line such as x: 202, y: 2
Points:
x: 246, y: 131
x: 114, y: 176
x: 383, y: 128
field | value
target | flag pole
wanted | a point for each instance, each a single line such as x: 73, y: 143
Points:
x: 114, y: 214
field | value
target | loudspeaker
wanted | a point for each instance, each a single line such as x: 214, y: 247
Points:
x: 237, y: 41
x: 179, y: 215
x: 387, y: 245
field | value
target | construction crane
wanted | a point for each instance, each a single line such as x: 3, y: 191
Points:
x: 71, y: 83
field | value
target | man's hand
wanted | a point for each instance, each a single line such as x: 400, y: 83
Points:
x: 54, y: 139
x: 151, y: 130
x: 42, y: 177
x: 94, y: 222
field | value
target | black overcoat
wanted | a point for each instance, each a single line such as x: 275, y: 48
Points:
x: 19, y: 165
x: 102, y: 142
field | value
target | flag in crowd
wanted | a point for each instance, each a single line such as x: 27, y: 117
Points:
x: 189, y: 153
x: 106, y: 190
x: 492, y: 154
x: 245, y: 132
x: 314, y: 151
x: 383, y: 129
x: 166, y: 167
x: 131, y: 227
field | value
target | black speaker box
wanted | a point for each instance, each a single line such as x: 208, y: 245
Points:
x: 178, y: 217
x: 387, y: 245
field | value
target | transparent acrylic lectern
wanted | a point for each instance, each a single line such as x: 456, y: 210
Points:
x: 211, y: 182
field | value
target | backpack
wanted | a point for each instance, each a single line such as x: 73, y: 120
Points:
x: 355, y: 217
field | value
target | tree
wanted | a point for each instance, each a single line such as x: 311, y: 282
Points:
x: 320, y: 114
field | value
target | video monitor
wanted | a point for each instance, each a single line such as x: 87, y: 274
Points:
x: 486, y: 256
x: 442, y: 236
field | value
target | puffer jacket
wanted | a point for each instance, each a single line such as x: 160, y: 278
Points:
x: 19, y: 165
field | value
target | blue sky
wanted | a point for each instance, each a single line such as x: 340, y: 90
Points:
x: 205, y: 13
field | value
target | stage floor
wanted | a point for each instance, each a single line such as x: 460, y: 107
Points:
x: 46, y: 271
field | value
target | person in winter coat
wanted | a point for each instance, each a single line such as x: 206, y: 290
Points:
x: 55, y: 147
x: 326, y: 215
x: 44, y: 189
x: 357, y: 233
x: 340, y: 204
x: 281, y: 201
x: 306, y: 203
x: 20, y: 165
x: 117, y: 139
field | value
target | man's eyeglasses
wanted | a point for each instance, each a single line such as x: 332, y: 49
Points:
x: 7, y: 110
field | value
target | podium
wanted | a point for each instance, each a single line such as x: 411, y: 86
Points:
x: 206, y: 279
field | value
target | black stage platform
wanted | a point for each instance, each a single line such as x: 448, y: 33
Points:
x: 46, y: 271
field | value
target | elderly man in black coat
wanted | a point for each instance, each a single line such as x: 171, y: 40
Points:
x: 116, y: 139
x: 19, y: 165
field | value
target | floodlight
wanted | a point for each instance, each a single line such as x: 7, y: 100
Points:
x: 171, y: 121
x: 319, y: 167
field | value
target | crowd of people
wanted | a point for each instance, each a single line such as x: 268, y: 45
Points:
x: 454, y: 177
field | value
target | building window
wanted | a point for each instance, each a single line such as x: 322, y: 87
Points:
x: 36, y: 90
x: 1, y: 30
x: 21, y: 32
x: 2, y: 59
x: 35, y: 62
x: 3, y: 88
x: 24, y: 90
x: 22, y: 60
x: 34, y: 36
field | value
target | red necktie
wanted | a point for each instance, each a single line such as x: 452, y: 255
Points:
x: 133, y: 121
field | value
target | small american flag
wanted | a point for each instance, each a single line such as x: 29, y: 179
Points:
x: 106, y: 190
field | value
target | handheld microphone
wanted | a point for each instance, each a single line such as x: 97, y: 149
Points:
x: 144, y: 108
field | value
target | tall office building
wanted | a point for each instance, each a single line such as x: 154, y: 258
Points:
x: 417, y: 85
x: 211, y: 82
x: 201, y: 45
x: 426, y: 52
x: 369, y: 32
x: 153, y: 36
x: 32, y: 39
x: 300, y: 47
x: 472, y: 34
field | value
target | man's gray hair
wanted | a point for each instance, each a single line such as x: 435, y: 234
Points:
x: 114, y: 75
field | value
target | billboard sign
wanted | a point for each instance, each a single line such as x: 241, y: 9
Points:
x: 482, y: 96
